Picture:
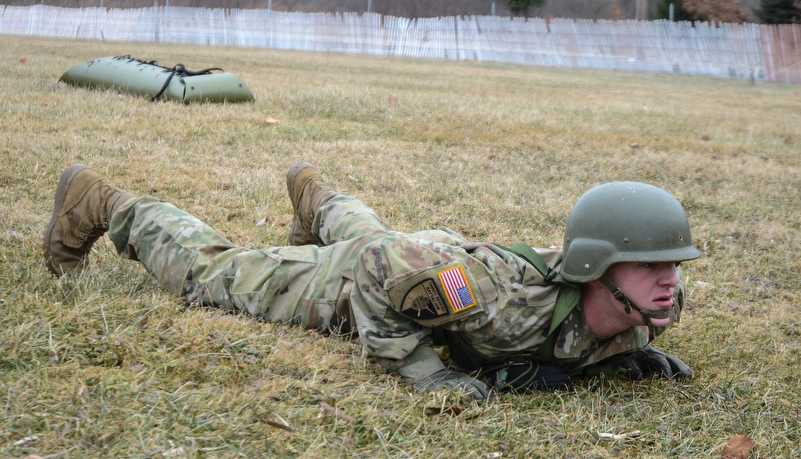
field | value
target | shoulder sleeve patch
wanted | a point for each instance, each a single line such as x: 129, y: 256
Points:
x: 422, y: 302
x: 437, y: 295
x: 457, y: 290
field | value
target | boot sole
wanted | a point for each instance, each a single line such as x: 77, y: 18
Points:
x: 61, y: 194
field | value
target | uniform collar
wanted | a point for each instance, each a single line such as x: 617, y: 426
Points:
x: 576, y: 341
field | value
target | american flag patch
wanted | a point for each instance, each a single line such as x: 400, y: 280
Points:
x: 457, y: 289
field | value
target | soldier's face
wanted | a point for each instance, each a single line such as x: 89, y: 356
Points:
x: 648, y: 285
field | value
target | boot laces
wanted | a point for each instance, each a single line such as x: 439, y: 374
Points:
x: 92, y: 233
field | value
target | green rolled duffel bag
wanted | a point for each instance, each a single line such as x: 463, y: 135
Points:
x: 146, y: 78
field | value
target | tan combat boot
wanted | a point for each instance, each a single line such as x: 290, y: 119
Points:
x: 308, y: 192
x: 83, y: 207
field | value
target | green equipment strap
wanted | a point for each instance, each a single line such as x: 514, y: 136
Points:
x: 567, y: 299
x: 530, y: 255
x: 569, y: 293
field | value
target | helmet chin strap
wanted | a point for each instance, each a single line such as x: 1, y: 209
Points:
x: 646, y: 314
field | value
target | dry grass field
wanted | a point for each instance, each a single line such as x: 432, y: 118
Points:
x: 105, y: 364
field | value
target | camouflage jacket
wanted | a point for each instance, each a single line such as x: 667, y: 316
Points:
x: 508, y: 306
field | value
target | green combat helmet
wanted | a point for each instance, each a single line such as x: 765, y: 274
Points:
x: 624, y: 222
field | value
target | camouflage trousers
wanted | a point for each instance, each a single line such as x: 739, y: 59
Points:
x: 329, y: 288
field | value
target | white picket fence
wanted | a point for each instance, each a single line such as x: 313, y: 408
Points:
x: 727, y: 50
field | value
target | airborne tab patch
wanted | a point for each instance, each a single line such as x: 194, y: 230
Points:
x: 457, y: 289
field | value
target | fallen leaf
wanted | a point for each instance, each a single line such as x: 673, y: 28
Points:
x: 23, y: 61
x: 738, y: 447
x: 392, y: 98
x: 279, y: 425
x: 625, y: 436
x: 179, y: 451
x: 634, y: 145
x: 448, y: 410
x: 337, y: 414
x: 270, y: 120
x: 705, y: 138
x: 451, y: 410
x: 26, y: 441
x: 263, y: 221
x: 103, y: 437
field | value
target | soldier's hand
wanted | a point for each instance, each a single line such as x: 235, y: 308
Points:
x: 443, y: 378
x: 647, y: 360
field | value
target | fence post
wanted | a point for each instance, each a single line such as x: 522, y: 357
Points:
x: 158, y: 21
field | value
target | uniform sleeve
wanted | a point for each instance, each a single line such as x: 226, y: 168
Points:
x: 403, y: 287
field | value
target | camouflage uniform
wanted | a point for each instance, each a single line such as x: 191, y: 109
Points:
x: 394, y: 287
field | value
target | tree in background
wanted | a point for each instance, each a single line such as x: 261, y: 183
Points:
x: 614, y: 11
x: 730, y: 11
x: 521, y: 7
x: 679, y: 13
x: 779, y: 11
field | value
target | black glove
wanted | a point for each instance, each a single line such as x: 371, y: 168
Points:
x: 647, y: 360
x: 522, y: 377
x: 471, y: 387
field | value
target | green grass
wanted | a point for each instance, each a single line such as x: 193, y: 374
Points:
x: 106, y: 364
